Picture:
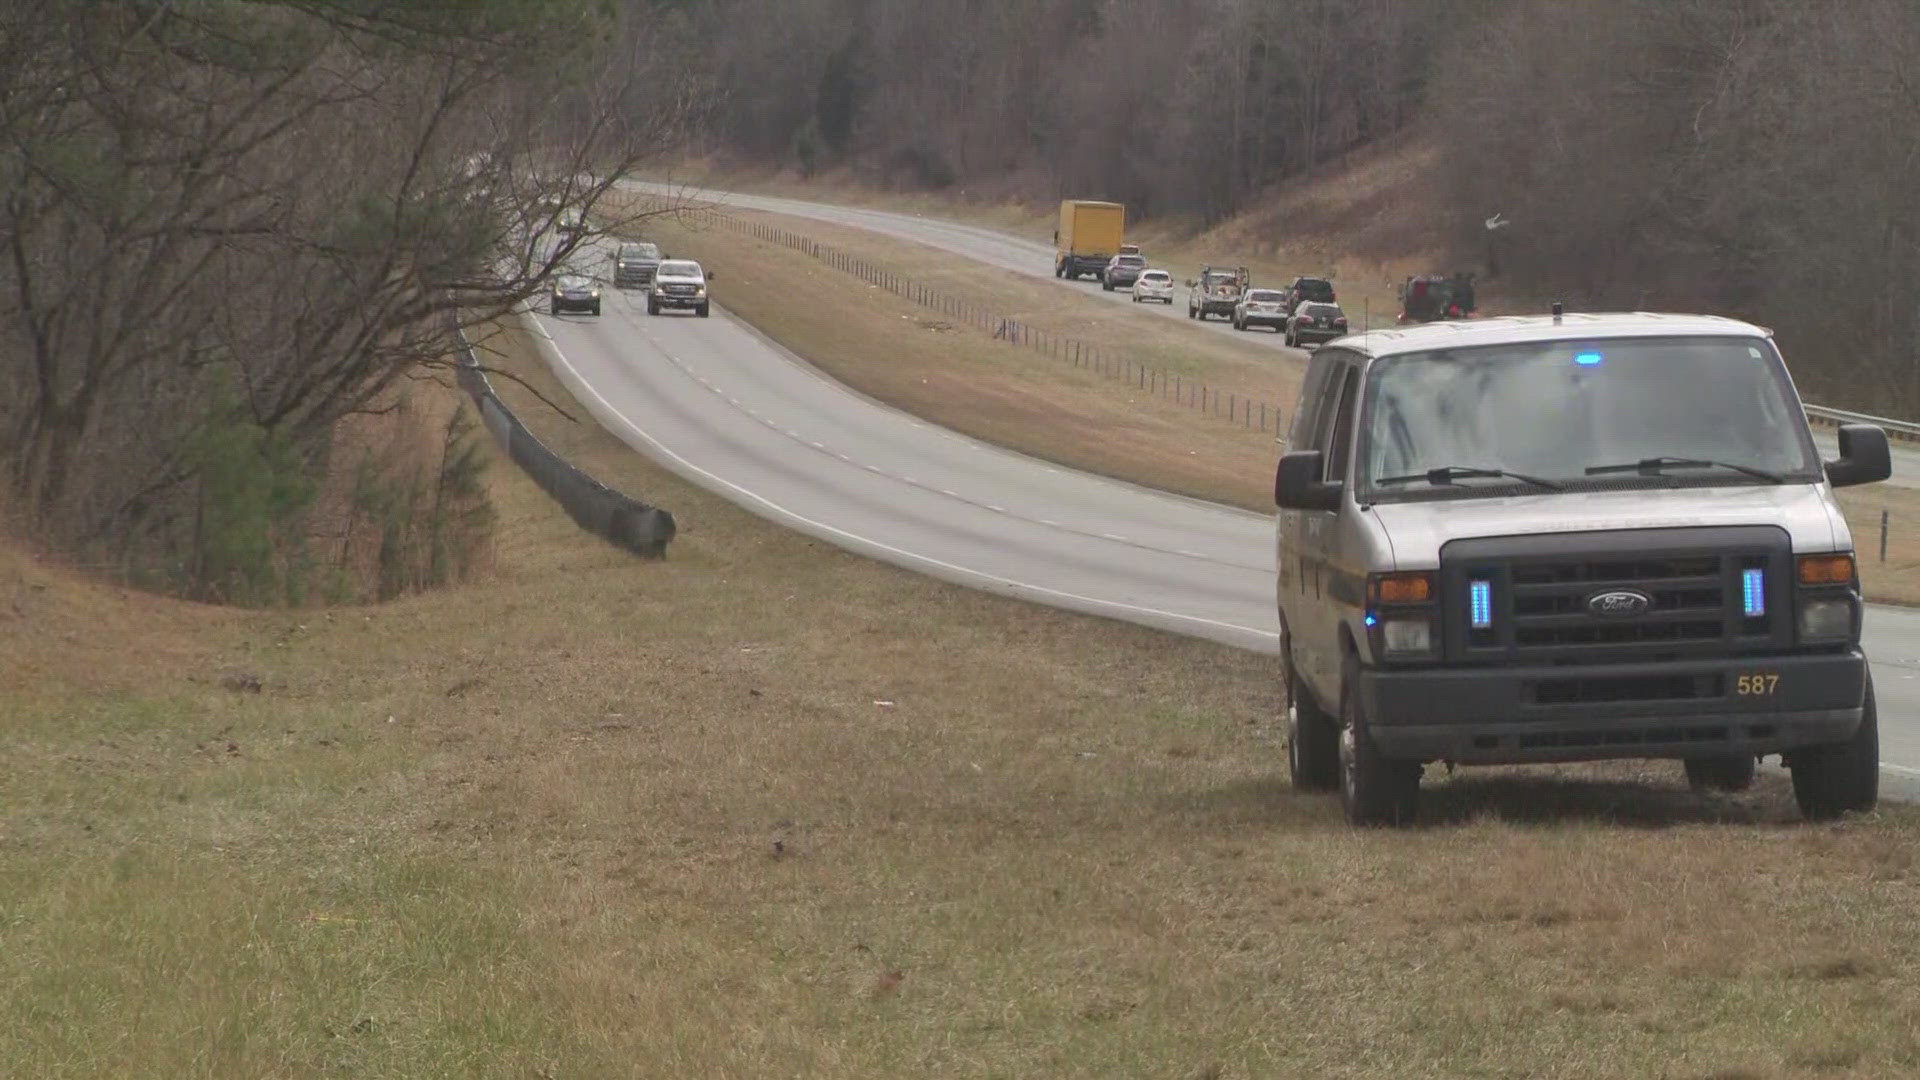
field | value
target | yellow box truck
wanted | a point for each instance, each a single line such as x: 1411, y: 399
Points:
x: 1089, y: 234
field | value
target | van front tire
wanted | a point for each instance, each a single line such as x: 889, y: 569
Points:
x: 1842, y: 777
x: 1375, y: 790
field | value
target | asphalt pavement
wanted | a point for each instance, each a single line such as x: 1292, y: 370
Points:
x: 734, y: 412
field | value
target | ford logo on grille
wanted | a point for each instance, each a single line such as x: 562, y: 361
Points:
x: 1619, y: 603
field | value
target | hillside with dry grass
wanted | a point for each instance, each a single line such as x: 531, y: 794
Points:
x: 769, y: 809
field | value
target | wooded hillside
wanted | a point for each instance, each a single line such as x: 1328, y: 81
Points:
x: 1754, y: 157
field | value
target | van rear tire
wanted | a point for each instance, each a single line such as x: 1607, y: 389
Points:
x: 1313, y: 739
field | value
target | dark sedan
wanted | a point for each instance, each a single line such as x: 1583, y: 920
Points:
x: 574, y: 292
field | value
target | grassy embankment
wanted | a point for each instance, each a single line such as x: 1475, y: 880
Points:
x: 768, y: 809
x: 957, y: 375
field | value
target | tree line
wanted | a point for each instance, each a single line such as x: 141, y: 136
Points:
x: 1753, y: 157
x: 227, y: 227
x: 1175, y: 107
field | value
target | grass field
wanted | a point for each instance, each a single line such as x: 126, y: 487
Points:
x: 768, y: 809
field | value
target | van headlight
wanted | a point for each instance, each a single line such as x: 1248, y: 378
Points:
x: 1406, y: 636
x: 1826, y: 619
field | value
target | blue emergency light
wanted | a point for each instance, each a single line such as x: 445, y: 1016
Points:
x: 1480, y: 604
x: 1586, y: 359
x: 1753, y: 592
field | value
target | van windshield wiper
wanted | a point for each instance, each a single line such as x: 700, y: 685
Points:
x: 1655, y: 464
x: 1447, y: 474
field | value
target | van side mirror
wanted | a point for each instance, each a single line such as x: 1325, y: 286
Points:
x: 1864, y: 457
x: 1297, y: 484
x: 711, y: 275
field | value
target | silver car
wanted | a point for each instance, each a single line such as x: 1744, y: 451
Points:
x: 633, y: 264
x: 1569, y: 539
x: 1261, y: 307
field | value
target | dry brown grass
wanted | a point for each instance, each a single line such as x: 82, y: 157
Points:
x: 1897, y: 580
x: 604, y: 817
x: 371, y: 528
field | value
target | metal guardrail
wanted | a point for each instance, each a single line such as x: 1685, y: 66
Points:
x: 1822, y: 416
x: 620, y: 519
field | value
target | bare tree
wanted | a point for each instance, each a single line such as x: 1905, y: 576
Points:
x: 274, y: 212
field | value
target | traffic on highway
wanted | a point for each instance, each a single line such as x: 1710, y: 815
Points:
x: 732, y: 411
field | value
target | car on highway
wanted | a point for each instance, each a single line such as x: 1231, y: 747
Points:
x: 1122, y: 271
x: 1153, y: 284
x: 574, y: 292
x: 1318, y: 290
x: 1550, y: 539
x: 679, y: 283
x: 1261, y: 307
x: 1315, y: 322
x: 633, y: 264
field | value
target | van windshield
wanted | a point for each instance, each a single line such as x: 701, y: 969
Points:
x: 1719, y: 410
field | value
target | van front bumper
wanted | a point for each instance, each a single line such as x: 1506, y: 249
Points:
x: 1670, y: 709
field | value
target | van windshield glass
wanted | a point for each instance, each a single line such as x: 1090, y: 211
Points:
x: 1717, y: 409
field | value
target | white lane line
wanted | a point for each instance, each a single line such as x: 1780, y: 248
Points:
x: 582, y: 388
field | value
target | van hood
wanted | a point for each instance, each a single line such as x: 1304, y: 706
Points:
x: 1416, y: 531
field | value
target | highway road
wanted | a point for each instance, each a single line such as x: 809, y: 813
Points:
x: 1034, y: 259
x: 734, y: 412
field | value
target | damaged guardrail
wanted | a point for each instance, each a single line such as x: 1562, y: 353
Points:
x: 621, y: 519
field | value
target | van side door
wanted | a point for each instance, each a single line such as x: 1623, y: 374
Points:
x: 1294, y: 580
x: 1336, y: 579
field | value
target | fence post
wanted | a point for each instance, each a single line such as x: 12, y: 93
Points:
x: 1883, y: 536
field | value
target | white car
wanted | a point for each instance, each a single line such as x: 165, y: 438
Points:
x: 679, y: 283
x: 1153, y: 285
x: 1261, y: 307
